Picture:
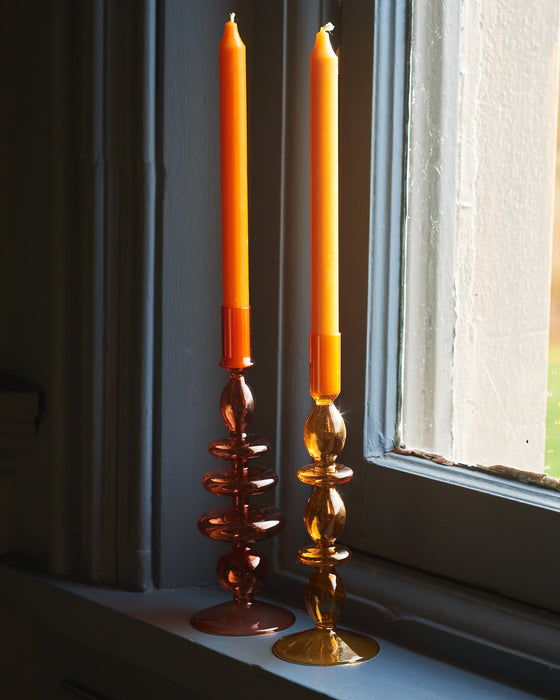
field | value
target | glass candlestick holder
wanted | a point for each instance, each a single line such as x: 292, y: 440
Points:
x: 324, y: 517
x: 242, y: 569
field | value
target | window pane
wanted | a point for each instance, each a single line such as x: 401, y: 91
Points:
x: 477, y: 284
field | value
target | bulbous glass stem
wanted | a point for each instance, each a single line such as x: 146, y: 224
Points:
x: 324, y: 517
x: 325, y: 514
x: 242, y: 570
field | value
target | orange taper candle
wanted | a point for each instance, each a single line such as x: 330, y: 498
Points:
x: 235, y: 243
x: 325, y: 336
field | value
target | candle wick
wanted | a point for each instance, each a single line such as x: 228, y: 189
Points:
x: 328, y: 27
x: 232, y: 17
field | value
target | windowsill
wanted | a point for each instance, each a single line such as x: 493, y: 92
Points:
x: 151, y: 632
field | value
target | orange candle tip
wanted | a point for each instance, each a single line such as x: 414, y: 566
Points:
x: 323, y: 42
x: 231, y: 32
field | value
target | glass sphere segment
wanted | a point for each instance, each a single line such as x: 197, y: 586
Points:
x: 324, y: 433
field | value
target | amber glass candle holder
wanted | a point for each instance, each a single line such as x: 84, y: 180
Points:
x: 242, y: 570
x: 324, y: 517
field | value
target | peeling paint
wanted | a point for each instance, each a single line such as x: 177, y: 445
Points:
x: 519, y: 475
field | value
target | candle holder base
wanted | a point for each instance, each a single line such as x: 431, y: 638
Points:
x: 243, y: 619
x: 326, y: 647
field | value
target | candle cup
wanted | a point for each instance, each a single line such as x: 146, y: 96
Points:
x: 324, y: 517
x: 242, y: 570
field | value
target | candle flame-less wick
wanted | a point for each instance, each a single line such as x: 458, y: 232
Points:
x: 232, y: 17
x: 328, y: 27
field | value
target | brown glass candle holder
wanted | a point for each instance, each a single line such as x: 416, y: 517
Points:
x: 242, y: 570
x: 324, y: 517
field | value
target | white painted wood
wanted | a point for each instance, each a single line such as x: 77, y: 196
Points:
x: 429, y: 314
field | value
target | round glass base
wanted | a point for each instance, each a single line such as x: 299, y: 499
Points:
x: 325, y: 647
x: 242, y: 619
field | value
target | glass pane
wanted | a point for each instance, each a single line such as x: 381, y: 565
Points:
x: 476, y: 388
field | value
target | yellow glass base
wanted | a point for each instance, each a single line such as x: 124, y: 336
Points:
x: 326, y: 647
